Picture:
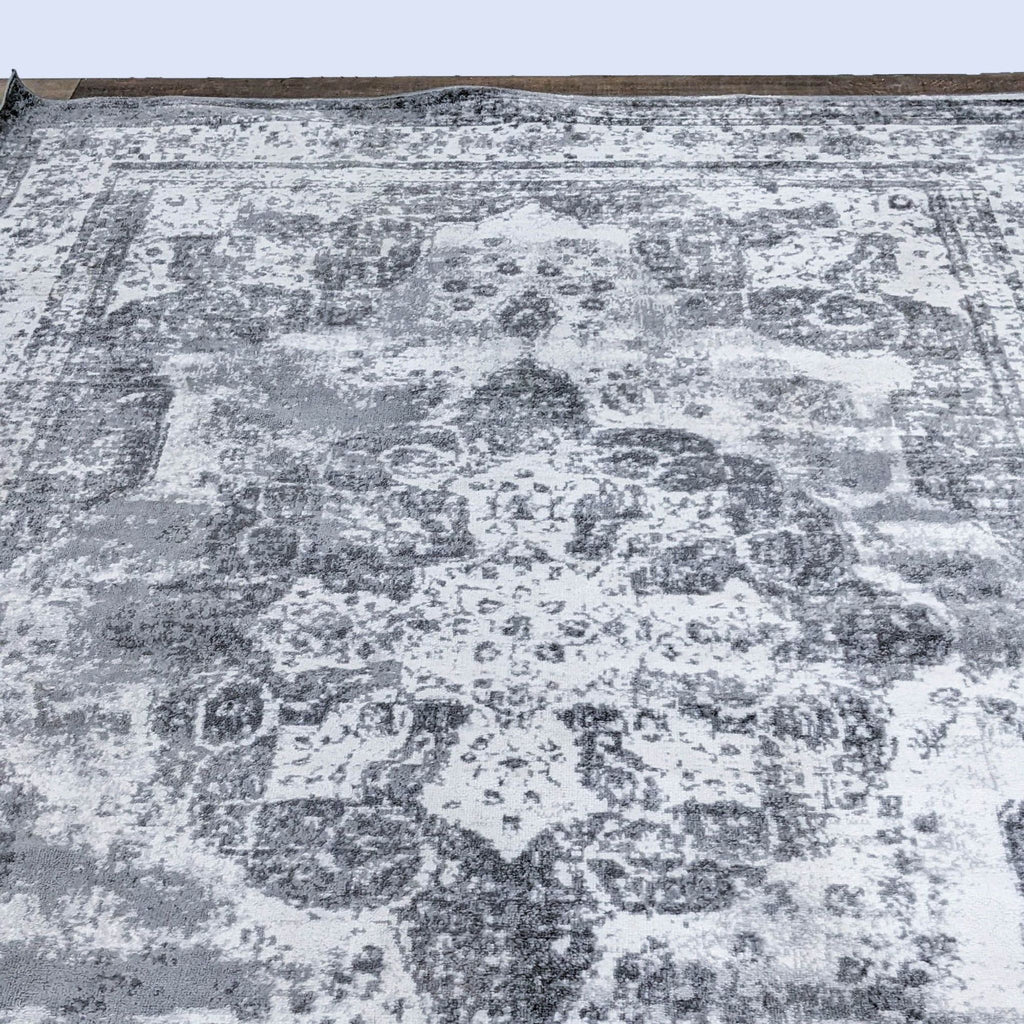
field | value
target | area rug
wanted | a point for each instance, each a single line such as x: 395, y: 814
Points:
x: 485, y: 558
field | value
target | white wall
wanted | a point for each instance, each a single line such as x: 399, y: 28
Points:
x: 68, y: 38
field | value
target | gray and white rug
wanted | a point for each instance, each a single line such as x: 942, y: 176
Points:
x: 487, y: 558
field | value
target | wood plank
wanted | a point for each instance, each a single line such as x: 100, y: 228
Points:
x: 589, y: 85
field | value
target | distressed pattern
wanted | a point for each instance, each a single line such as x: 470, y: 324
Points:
x: 483, y: 558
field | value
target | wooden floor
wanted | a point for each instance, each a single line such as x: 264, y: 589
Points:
x: 590, y: 85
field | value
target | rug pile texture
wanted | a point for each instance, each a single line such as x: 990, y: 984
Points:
x: 486, y: 558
